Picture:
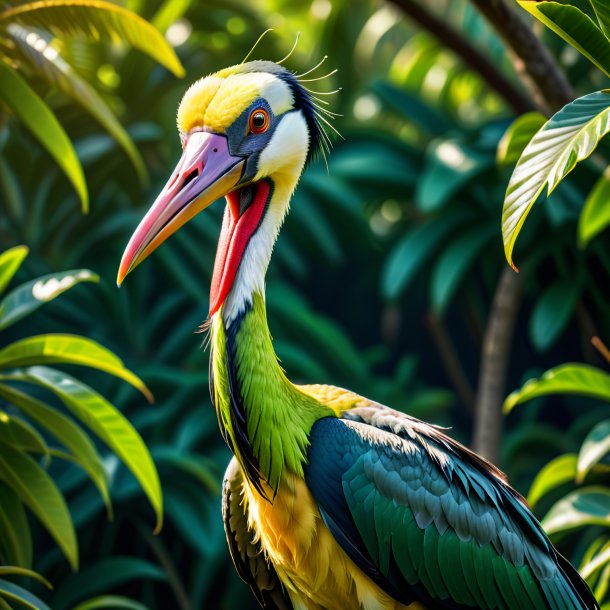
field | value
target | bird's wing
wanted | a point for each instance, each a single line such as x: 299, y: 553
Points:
x: 247, y: 555
x: 430, y: 521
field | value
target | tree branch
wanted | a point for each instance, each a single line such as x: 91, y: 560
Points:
x: 469, y: 54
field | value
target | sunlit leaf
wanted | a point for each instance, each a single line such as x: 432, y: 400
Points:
x: 43, y: 57
x: 94, y: 19
x: 568, y: 137
x: 38, y: 492
x: 28, y: 297
x: 557, y: 472
x: 19, y: 571
x: 597, y: 563
x: 15, y: 536
x: 68, y: 349
x: 573, y: 378
x: 18, y: 433
x: 44, y: 126
x: 594, y: 448
x: 108, y: 423
x: 517, y: 136
x: 10, y: 261
x: 595, y: 215
x: 602, y: 11
x: 586, y: 506
x: 111, y: 602
x: 15, y: 593
x: 575, y: 27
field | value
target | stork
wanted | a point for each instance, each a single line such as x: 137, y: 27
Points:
x: 331, y: 501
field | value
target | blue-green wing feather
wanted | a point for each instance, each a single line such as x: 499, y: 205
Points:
x: 430, y: 521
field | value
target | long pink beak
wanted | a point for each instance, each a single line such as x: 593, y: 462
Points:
x: 206, y: 172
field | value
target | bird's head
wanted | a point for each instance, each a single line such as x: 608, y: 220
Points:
x: 247, y: 132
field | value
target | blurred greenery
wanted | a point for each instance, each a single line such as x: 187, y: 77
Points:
x: 383, y: 279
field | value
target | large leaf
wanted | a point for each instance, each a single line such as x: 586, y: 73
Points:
x: 38, y: 492
x: 68, y: 349
x: 15, y: 593
x: 28, y: 297
x: 19, y: 571
x: 602, y: 11
x: 108, y: 423
x: 552, y: 313
x: 594, y: 448
x: 595, y: 215
x: 573, y: 378
x: 568, y: 137
x: 40, y: 54
x: 111, y: 602
x: 517, y: 136
x: 16, y: 432
x: 95, y: 18
x: 61, y: 427
x: 15, y: 536
x: 557, y: 472
x: 10, y: 261
x: 586, y: 506
x: 44, y: 126
x: 575, y: 27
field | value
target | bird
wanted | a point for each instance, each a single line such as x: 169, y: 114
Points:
x: 331, y: 501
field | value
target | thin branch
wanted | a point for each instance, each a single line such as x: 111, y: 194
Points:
x: 600, y: 346
x: 469, y: 54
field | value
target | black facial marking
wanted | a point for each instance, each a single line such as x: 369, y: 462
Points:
x: 246, y: 197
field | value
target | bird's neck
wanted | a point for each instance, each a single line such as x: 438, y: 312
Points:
x: 265, y: 419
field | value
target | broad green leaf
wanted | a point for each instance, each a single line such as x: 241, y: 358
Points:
x: 572, y: 378
x: 38, y: 492
x: 194, y: 465
x: 597, y: 563
x: 95, y: 19
x: 557, y: 472
x: 586, y: 506
x: 110, y: 602
x: 454, y: 262
x: 28, y: 297
x: 170, y: 12
x: 517, y: 136
x: 42, y: 56
x: 10, y: 261
x: 18, y: 433
x: 72, y: 437
x: 19, y: 571
x: 44, y: 126
x: 575, y: 27
x: 12, y: 592
x: 108, y: 423
x: 595, y: 215
x: 413, y: 250
x: 15, y: 536
x: 552, y: 313
x: 602, y: 12
x: 68, y: 349
x: 568, y: 137
x: 594, y: 448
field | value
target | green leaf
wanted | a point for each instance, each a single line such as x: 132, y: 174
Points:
x: 18, y: 433
x: 602, y: 12
x: 64, y: 429
x: 595, y: 215
x: 38, y: 492
x: 594, y: 448
x: 28, y: 297
x: 42, y: 56
x: 557, y: 472
x: 19, y: 571
x: 575, y: 27
x: 568, y: 137
x: 196, y: 466
x: 454, y: 262
x: 68, y: 349
x: 108, y: 602
x: 552, y: 313
x: 109, y: 424
x: 517, y: 136
x: 413, y: 250
x: 586, y: 506
x: 13, y: 592
x: 44, y: 126
x: 10, y: 261
x: 15, y: 536
x: 573, y: 378
x: 93, y: 19
x: 597, y: 563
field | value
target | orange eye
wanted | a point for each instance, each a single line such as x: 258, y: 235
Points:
x: 259, y: 121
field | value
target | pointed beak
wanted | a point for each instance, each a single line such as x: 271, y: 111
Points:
x: 206, y: 171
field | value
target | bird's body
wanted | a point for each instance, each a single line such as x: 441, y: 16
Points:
x: 332, y: 502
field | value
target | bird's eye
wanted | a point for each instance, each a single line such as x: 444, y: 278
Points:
x: 259, y: 121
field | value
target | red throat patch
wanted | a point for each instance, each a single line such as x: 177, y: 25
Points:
x: 234, y: 237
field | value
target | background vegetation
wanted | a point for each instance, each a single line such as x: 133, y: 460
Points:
x: 389, y: 277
